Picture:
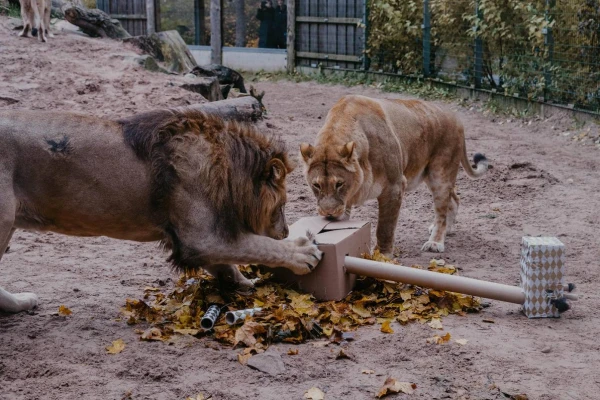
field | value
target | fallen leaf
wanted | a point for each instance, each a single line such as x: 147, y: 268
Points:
x: 185, y: 331
x: 314, y: 393
x: 344, y: 354
x: 367, y: 371
x: 462, y: 342
x: 116, y: 347
x: 64, y: 311
x: 489, y: 321
x: 435, y: 323
x: 439, y: 339
x: 152, y: 334
x: 386, y: 328
x: 243, y: 358
x: 245, y: 333
x: 391, y: 386
x: 292, y: 352
x: 198, y: 397
x: 361, y: 310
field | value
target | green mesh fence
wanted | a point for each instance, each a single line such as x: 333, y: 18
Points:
x: 541, y: 50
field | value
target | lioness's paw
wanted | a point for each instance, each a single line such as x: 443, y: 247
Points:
x: 305, y: 257
x: 434, y: 247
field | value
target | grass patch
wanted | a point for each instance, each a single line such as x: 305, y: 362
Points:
x: 10, y: 10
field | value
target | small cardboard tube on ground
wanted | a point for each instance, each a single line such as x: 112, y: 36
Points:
x: 235, y: 317
x: 210, y: 317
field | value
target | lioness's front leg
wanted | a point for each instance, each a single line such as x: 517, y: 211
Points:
x: 389, y: 202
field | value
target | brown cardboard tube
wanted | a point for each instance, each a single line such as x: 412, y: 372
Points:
x: 434, y: 280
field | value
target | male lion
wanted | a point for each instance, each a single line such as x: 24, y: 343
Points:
x: 371, y: 148
x: 212, y: 191
x: 36, y: 15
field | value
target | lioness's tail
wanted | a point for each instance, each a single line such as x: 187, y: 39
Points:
x: 481, y: 164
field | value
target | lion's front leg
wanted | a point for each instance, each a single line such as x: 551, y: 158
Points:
x: 300, y: 255
x: 390, y: 202
x: 17, y: 302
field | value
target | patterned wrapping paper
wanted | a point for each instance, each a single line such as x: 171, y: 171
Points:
x: 542, y: 270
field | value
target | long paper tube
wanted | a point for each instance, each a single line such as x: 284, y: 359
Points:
x: 436, y: 280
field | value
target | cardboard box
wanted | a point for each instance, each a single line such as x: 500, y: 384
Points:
x: 336, y: 239
x: 542, y: 275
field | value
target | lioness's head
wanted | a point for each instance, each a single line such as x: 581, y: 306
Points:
x: 334, y: 175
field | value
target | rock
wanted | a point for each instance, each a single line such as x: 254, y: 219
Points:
x: 209, y: 88
x: 14, y: 23
x: 149, y: 63
x: 546, y: 350
x: 269, y: 362
x: 168, y: 48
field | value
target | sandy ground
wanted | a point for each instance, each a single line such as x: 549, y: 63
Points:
x: 553, y: 192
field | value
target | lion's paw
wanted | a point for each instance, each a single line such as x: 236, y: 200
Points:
x: 434, y: 247
x: 305, y: 256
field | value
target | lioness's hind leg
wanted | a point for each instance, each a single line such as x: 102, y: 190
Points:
x: 452, y: 211
x: 441, y: 183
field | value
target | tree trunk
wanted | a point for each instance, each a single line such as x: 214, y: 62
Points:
x: 167, y: 47
x: 240, y: 23
x: 95, y: 23
x: 245, y: 108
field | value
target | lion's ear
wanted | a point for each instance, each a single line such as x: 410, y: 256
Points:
x: 346, y: 150
x: 307, y: 151
x: 276, y: 171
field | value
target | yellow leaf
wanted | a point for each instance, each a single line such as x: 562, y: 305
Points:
x: 258, y: 303
x: 386, y: 328
x: 116, y: 347
x: 393, y: 386
x: 435, y: 323
x: 292, y: 352
x: 314, y: 393
x: 462, y: 342
x: 243, y: 358
x: 361, y: 310
x: 64, y: 311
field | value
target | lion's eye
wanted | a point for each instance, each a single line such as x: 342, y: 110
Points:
x: 339, y: 184
x: 317, y: 186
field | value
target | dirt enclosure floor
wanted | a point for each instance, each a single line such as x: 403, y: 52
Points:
x: 543, y: 182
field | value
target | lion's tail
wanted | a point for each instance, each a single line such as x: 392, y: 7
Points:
x: 480, y: 162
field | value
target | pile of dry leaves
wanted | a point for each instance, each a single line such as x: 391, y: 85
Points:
x: 289, y: 316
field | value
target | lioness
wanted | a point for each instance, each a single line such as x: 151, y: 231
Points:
x: 36, y: 15
x: 212, y: 191
x: 370, y: 148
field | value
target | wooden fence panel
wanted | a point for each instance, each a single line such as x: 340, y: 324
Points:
x: 328, y: 32
x: 131, y: 14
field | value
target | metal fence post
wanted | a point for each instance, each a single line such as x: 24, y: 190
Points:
x: 291, y: 36
x: 549, y: 46
x: 366, y: 61
x: 478, y: 67
x: 426, y: 39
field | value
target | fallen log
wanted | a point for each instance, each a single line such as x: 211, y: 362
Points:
x: 168, y: 48
x: 95, y: 23
x: 241, y: 109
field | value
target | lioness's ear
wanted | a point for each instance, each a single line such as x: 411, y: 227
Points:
x: 276, y: 171
x: 307, y: 151
x: 346, y: 150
